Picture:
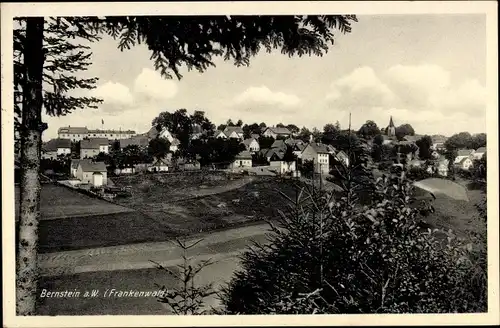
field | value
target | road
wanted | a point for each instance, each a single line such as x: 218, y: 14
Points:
x: 130, y: 267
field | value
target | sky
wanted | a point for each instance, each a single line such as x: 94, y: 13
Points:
x: 425, y: 70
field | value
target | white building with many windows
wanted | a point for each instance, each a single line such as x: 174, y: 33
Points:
x: 80, y: 133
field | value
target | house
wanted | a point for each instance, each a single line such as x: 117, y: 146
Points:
x: 94, y: 173
x: 465, y: 163
x: 255, y: 136
x: 342, y: 157
x: 479, y: 153
x: 442, y: 166
x: 252, y: 145
x: 438, y: 142
x: 281, y: 166
x: 242, y: 160
x: 56, y: 147
x: 220, y: 134
x: 319, y: 154
x: 125, y: 169
x: 235, y: 132
x: 463, y: 153
x: 91, y: 147
x: 159, y: 165
x: 174, y: 145
x: 298, y: 148
x: 275, y: 132
x: 73, y: 133
x: 189, y: 165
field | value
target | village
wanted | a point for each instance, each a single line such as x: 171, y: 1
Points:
x: 275, y: 151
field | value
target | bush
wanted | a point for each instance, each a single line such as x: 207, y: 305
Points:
x: 334, y: 256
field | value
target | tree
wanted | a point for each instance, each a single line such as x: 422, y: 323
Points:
x: 221, y: 127
x: 369, y: 130
x: 331, y: 256
x: 293, y: 128
x: 462, y: 140
x: 404, y: 130
x: 378, y: 140
x: 304, y: 134
x: 265, y: 142
x: 47, y: 54
x: 248, y: 130
x: 158, y: 147
x: 330, y: 132
x: 200, y: 119
x: 179, y: 123
x: 316, y: 134
x: 424, y: 145
x: 229, y: 123
x: 259, y: 159
x: 170, y: 49
x: 478, y: 140
x: 239, y: 123
x: 280, y: 125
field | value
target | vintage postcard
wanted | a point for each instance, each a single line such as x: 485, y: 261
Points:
x: 239, y: 163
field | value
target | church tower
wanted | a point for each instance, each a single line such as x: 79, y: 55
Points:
x: 391, y: 129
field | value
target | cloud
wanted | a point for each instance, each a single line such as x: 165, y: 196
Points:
x: 419, y: 89
x: 264, y: 96
x: 151, y: 85
x: 360, y: 89
x: 114, y: 94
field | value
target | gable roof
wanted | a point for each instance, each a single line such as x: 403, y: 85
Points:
x: 319, y: 148
x: 161, y: 162
x: 463, y: 160
x: 293, y: 142
x: 255, y: 136
x: 299, y: 147
x: 54, y: 144
x: 481, y: 150
x: 89, y: 166
x: 248, y: 142
x: 93, y: 143
x: 278, y: 144
x: 464, y: 152
x: 230, y: 129
x: 218, y: 132
x: 277, y: 130
x: 277, y: 155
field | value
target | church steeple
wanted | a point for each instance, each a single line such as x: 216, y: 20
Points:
x: 391, y: 123
x: 391, y: 129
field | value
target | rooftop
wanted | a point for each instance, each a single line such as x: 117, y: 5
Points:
x: 90, y: 166
x: 277, y: 130
x: 93, y: 143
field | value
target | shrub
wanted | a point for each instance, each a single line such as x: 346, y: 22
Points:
x: 334, y: 256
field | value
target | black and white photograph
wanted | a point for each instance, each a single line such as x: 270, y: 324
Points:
x: 231, y: 162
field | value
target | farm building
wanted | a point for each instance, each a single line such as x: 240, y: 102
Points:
x: 235, y: 132
x: 94, y: 173
x: 125, y: 169
x: 243, y: 159
x: 275, y: 132
x: 160, y: 165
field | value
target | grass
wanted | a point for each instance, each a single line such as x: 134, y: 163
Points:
x: 61, y: 202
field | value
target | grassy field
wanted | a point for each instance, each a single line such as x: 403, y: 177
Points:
x: 61, y: 202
